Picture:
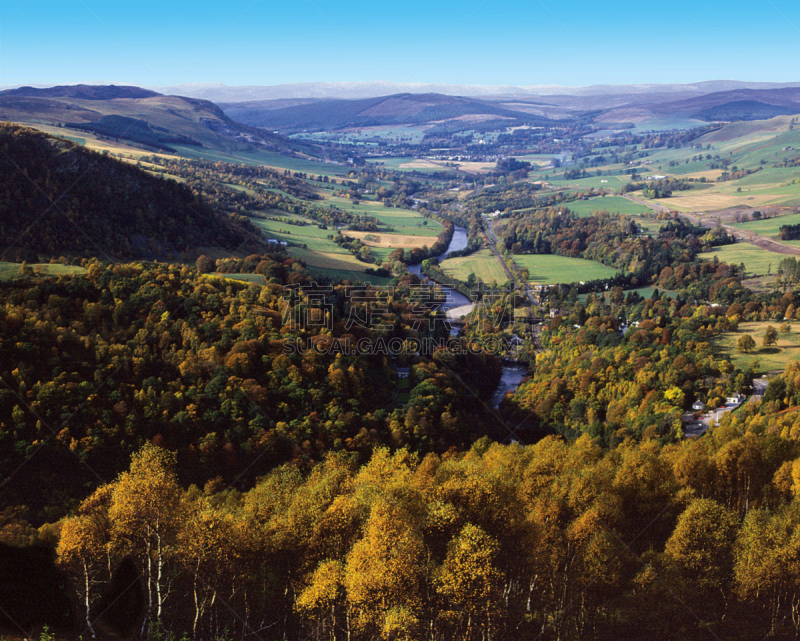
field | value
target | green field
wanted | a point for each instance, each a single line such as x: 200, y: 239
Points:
x: 611, y: 204
x: 647, y: 292
x: 774, y: 357
x: 666, y: 124
x: 258, y: 279
x: 756, y: 261
x: 598, y: 182
x: 11, y: 271
x: 321, y: 252
x: 482, y: 263
x: 409, y: 163
x: 310, y: 235
x: 771, y: 226
x: 268, y: 158
x: 352, y: 276
x: 402, y: 221
x: 548, y: 269
x: 650, y: 225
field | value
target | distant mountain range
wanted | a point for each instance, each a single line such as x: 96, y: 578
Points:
x: 398, y: 109
x: 221, y: 93
x: 263, y: 116
x: 140, y: 116
x: 602, y: 104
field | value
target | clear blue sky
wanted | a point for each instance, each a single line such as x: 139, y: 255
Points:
x: 266, y: 42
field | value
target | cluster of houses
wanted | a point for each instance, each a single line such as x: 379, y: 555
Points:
x: 731, y: 402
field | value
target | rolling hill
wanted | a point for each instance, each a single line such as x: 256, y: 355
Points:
x: 83, y: 92
x: 221, y: 93
x: 59, y: 198
x: 729, y: 105
x: 397, y: 109
x: 170, y: 119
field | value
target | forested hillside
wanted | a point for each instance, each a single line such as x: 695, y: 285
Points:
x: 553, y: 541
x: 220, y: 370
x: 281, y: 458
x: 58, y: 198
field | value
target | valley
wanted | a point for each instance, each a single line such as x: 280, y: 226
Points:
x: 405, y: 366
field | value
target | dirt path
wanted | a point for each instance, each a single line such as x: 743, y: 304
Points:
x: 659, y: 209
x: 491, y: 240
x: 761, y: 242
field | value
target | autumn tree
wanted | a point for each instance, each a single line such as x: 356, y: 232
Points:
x: 746, y: 344
x: 146, y: 512
x: 85, y: 546
x: 384, y: 573
x: 767, y: 567
x: 469, y: 583
x: 701, y: 552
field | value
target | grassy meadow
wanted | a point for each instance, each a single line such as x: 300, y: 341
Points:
x: 482, y: 263
x: 773, y: 357
x: 756, y: 261
x: 329, y: 260
x: 611, y: 204
x: 311, y: 235
x: 351, y: 275
x: 11, y: 271
x: 549, y: 269
x: 769, y: 227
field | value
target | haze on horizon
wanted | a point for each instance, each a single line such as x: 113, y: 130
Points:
x: 488, y: 42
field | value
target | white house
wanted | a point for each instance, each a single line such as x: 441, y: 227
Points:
x: 735, y: 399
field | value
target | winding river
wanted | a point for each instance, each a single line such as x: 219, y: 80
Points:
x: 512, y: 374
x: 458, y: 242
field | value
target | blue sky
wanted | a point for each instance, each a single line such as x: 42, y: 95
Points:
x: 263, y: 42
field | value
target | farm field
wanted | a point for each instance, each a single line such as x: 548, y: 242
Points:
x: 11, y: 271
x: 666, y: 124
x: 612, y: 204
x: 403, y: 221
x: 247, y: 278
x: 649, y: 225
x: 715, y: 200
x: 647, y: 292
x: 598, y: 182
x: 351, y: 275
x: 756, y: 261
x: 267, y: 158
x: 770, y: 226
x: 482, y: 263
x: 539, y: 161
x: 549, y: 269
x: 391, y: 241
x: 421, y: 165
x: 410, y: 230
x: 328, y: 260
x: 774, y: 357
x: 313, y: 237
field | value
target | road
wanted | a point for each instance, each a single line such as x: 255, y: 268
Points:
x: 514, y: 278
x: 698, y: 427
x: 759, y: 387
x: 762, y: 242
x: 659, y: 209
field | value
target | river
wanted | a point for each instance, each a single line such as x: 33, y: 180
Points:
x: 509, y: 381
x: 453, y: 298
x: 512, y: 374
